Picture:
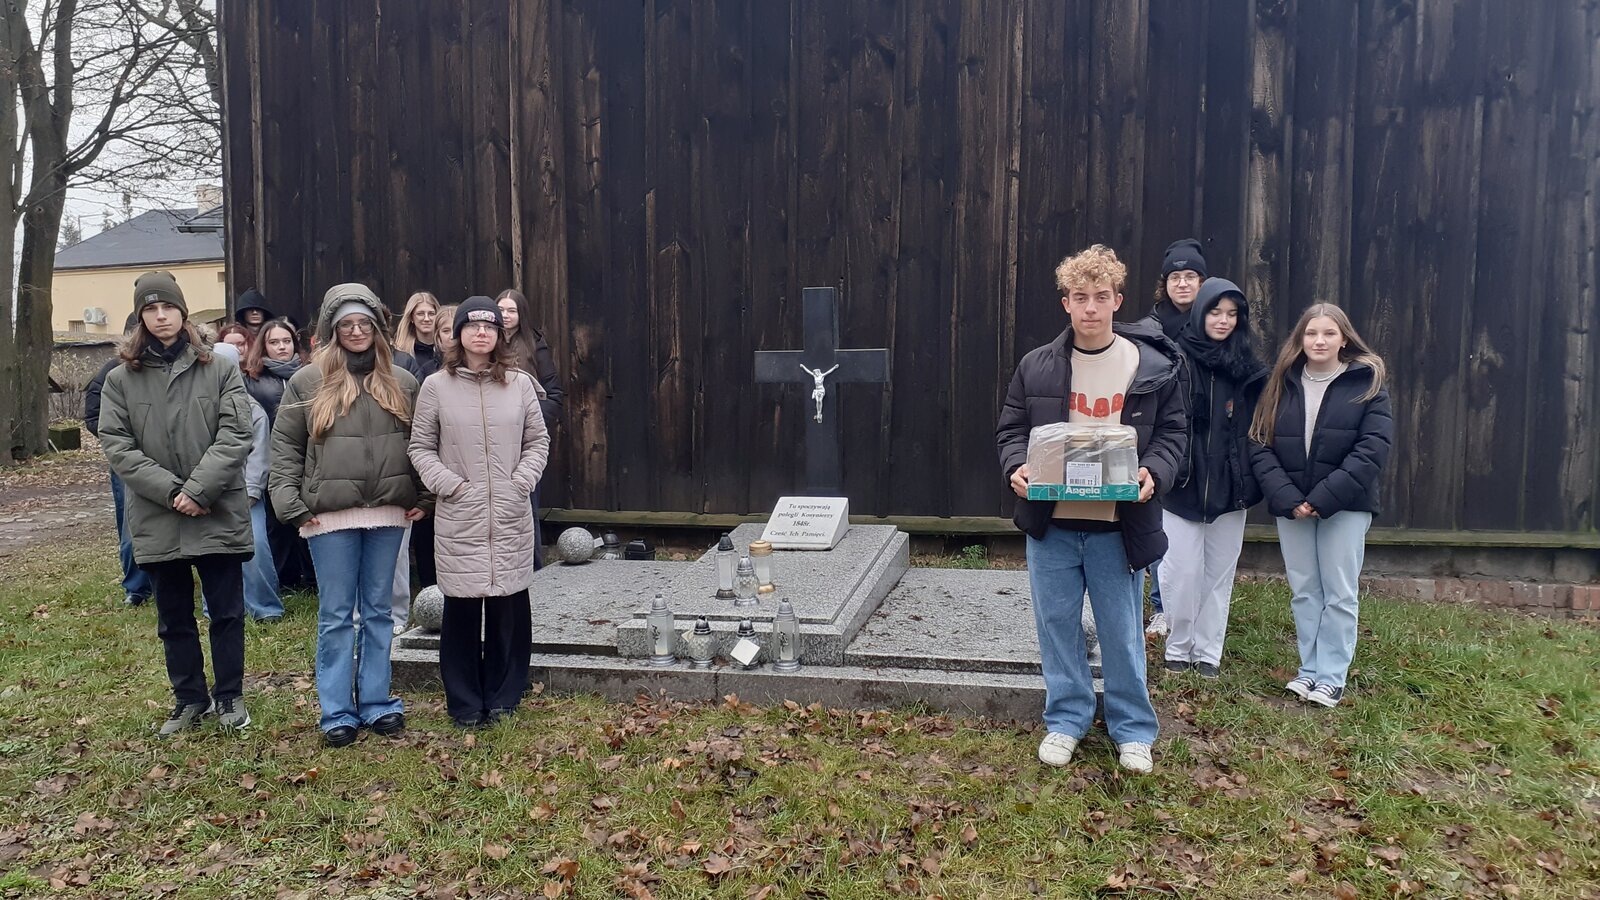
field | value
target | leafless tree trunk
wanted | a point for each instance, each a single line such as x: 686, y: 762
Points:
x: 10, y: 197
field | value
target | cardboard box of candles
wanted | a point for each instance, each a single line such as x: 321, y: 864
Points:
x: 1071, y: 461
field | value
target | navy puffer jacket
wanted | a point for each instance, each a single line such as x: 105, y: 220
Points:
x: 1349, y: 448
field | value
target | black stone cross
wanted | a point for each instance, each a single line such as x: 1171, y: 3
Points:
x: 822, y: 357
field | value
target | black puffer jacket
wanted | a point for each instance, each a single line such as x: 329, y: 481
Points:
x: 268, y: 389
x: 1349, y: 448
x: 91, y: 395
x: 1153, y: 405
x: 1226, y: 382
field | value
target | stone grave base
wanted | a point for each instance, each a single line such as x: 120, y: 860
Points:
x: 952, y: 640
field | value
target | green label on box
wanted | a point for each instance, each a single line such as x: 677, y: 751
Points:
x: 1074, y: 492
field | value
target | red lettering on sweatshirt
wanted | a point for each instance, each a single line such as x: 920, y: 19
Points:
x: 1099, y: 408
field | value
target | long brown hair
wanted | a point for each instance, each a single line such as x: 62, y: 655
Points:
x: 525, y: 343
x: 140, y: 339
x: 1293, y: 354
x: 255, y: 355
x: 340, y: 387
x: 405, y: 340
x: 502, y: 359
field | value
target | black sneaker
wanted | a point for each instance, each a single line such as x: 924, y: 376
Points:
x: 1207, y: 670
x: 470, y: 722
x: 339, y: 736
x: 496, y: 715
x: 389, y: 724
x: 184, y: 717
x: 1326, y: 695
x: 1176, y: 665
x: 134, y: 600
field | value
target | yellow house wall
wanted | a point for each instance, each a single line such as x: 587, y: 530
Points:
x: 112, y: 290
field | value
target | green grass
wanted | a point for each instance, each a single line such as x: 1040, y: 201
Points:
x: 1467, y: 763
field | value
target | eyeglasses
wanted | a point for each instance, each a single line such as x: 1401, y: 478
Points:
x: 1183, y: 278
x: 356, y: 326
x: 477, y: 328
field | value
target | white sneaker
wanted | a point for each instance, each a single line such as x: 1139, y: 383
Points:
x: 1056, y: 749
x: 1158, y: 626
x: 1135, y: 758
x: 1300, y: 687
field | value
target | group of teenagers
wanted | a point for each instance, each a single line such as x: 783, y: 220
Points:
x: 358, y: 446
x: 1219, y: 431
x: 351, y: 446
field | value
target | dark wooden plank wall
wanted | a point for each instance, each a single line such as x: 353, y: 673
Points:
x: 662, y: 180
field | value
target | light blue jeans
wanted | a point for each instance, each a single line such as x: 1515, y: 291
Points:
x: 355, y: 571
x: 1060, y: 566
x: 1322, y: 558
x: 261, y: 598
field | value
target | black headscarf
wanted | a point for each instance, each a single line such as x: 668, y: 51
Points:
x: 1234, y: 359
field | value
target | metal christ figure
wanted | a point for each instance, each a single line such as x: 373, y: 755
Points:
x: 818, y: 390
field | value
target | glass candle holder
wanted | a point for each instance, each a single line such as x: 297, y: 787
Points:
x: 744, y: 584
x: 662, y: 636
x: 727, y: 561
x: 699, y: 644
x: 761, y: 556
x: 785, y: 639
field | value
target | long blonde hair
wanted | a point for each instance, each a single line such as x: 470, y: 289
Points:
x: 1293, y: 353
x: 405, y: 340
x: 340, y: 387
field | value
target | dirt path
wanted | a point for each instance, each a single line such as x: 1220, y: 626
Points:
x: 62, y: 499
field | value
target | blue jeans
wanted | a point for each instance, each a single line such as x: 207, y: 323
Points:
x: 1060, y: 565
x: 135, y: 581
x: 1322, y: 558
x: 1155, y: 586
x: 261, y: 598
x: 355, y: 572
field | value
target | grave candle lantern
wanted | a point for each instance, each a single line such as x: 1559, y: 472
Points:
x: 744, y: 585
x: 747, y: 632
x: 761, y: 556
x: 785, y: 639
x: 726, y: 561
x: 698, y: 644
x: 611, y: 546
x: 662, y: 636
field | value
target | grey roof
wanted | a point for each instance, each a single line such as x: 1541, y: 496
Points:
x: 161, y: 236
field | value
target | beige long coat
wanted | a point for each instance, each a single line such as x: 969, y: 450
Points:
x: 480, y: 447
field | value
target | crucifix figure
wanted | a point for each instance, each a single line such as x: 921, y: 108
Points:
x: 820, y: 390
x: 820, y: 359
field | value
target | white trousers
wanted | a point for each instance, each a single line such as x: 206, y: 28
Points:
x: 1197, y: 584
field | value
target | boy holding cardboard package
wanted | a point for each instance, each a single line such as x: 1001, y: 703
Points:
x: 1095, y: 371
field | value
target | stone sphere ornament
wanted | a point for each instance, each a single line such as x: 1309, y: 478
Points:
x: 575, y: 546
x: 427, y: 611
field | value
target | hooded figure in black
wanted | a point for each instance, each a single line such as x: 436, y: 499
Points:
x: 1204, y: 515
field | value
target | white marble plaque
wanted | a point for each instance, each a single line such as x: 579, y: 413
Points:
x: 808, y: 523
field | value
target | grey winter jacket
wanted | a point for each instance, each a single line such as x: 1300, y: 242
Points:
x: 180, y: 426
x: 481, y: 447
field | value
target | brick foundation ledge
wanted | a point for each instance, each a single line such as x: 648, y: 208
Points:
x: 1575, y: 601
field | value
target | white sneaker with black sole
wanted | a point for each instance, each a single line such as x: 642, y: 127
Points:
x: 1325, y: 695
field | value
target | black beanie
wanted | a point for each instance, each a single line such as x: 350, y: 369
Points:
x: 1184, y: 254
x: 477, y: 309
x: 158, y: 287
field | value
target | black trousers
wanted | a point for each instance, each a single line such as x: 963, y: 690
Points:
x: 222, y: 577
x: 491, y: 671
x: 422, y: 548
x: 290, y: 553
